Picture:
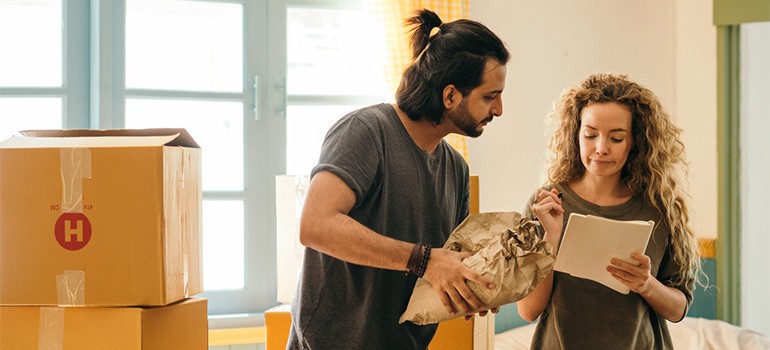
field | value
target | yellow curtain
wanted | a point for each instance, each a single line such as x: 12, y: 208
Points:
x: 392, y: 13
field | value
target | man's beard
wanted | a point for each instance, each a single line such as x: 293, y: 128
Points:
x: 463, y: 119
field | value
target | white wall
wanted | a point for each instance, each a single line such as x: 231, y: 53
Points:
x: 555, y: 44
x: 696, y: 107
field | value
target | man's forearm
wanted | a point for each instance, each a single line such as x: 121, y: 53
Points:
x: 342, y: 237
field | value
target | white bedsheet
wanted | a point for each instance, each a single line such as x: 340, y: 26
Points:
x: 690, y: 334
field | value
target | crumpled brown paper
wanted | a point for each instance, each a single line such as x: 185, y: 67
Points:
x: 504, y: 248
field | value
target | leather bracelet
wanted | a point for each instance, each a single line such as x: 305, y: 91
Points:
x: 415, y: 259
x: 424, y: 262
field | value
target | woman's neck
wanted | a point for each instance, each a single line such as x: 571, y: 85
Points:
x: 602, y: 191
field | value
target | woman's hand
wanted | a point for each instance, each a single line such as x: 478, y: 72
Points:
x: 668, y: 302
x: 636, y: 277
x: 547, y: 208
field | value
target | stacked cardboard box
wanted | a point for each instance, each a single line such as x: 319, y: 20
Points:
x: 100, y: 240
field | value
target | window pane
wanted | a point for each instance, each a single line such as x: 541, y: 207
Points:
x: 222, y: 245
x: 31, y: 43
x: 28, y: 113
x: 306, y: 127
x: 334, y: 51
x: 216, y: 126
x: 184, y: 45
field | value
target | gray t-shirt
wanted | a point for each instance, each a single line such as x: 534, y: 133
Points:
x: 401, y: 192
x: 583, y: 314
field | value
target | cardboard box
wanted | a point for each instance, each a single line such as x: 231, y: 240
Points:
x: 278, y: 326
x: 183, y: 325
x: 100, y: 218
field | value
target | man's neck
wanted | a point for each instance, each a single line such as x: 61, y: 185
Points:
x: 423, y: 132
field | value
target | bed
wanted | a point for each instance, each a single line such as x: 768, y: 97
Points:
x: 694, y: 333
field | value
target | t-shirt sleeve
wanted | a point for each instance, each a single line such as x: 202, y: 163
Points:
x: 351, y: 151
x: 669, y: 275
x: 465, y: 205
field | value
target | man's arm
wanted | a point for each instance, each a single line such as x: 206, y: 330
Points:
x: 327, y: 228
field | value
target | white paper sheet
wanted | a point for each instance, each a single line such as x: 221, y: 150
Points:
x: 590, y: 242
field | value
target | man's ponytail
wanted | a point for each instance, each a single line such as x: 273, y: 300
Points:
x: 422, y: 24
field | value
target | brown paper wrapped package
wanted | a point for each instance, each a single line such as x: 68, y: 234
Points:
x: 504, y: 248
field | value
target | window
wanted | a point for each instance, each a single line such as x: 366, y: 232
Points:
x: 197, y: 65
x: 257, y: 83
x: 335, y: 59
x: 184, y: 67
x: 37, y: 89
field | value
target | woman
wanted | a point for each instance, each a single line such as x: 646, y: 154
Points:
x: 615, y: 153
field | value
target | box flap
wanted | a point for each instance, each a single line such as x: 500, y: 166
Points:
x: 100, y: 138
x: 85, y: 142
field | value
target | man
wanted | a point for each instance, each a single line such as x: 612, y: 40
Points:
x: 388, y: 188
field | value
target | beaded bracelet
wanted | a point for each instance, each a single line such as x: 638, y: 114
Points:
x: 424, y: 262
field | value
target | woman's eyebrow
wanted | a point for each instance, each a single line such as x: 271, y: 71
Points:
x: 613, y: 130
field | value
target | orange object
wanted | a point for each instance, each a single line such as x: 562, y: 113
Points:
x: 278, y: 324
x: 183, y: 325
x: 91, y: 220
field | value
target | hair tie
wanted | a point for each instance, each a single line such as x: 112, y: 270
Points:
x: 434, y: 31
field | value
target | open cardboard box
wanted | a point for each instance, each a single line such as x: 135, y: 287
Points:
x: 100, y: 217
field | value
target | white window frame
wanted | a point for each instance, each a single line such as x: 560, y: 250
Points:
x: 94, y: 93
x: 74, y: 89
x: 264, y: 135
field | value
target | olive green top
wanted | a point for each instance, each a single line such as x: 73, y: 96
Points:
x: 583, y: 314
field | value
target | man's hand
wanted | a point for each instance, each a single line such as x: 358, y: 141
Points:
x: 448, y: 275
x: 483, y: 313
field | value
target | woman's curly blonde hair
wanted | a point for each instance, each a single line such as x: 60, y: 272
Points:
x: 656, y: 164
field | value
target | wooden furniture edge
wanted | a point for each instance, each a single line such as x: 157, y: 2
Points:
x: 236, y: 336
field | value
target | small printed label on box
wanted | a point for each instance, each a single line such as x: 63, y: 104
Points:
x: 73, y: 231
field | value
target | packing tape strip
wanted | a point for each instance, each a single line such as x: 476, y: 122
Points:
x: 75, y: 166
x: 71, y: 288
x: 51, y: 328
x: 186, y: 160
x: 186, y: 276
